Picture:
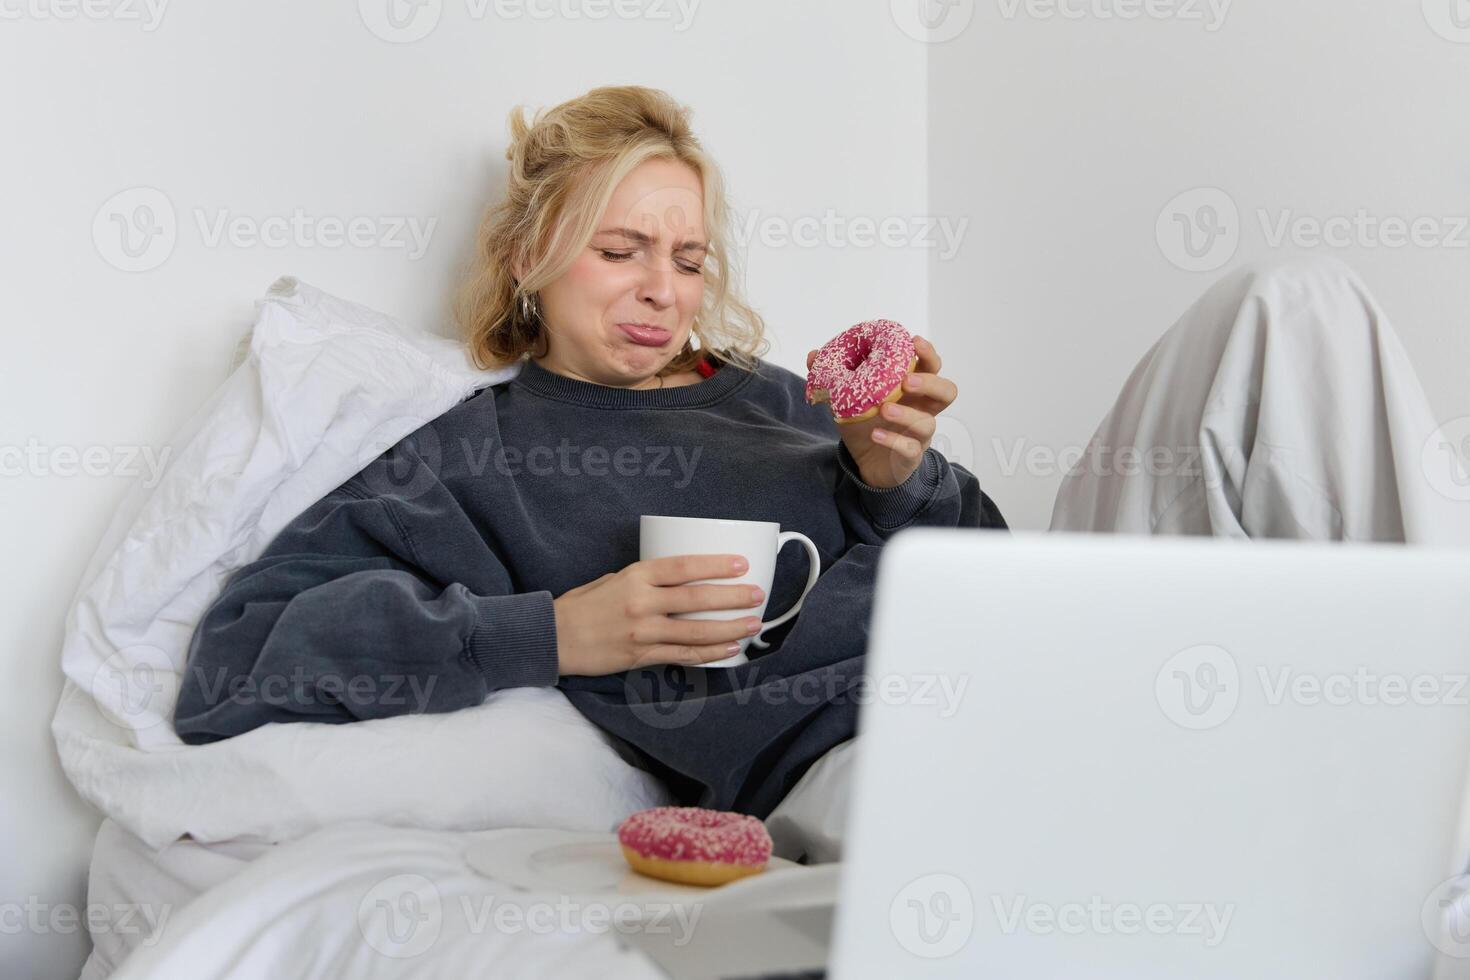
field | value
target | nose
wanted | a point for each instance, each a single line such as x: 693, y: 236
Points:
x: 657, y: 284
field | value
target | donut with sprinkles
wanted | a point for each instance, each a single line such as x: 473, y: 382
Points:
x: 861, y: 369
x: 694, y: 846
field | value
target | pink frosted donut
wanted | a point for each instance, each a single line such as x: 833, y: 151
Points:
x: 694, y: 846
x: 860, y: 369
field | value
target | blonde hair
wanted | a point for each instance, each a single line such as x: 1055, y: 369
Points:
x: 564, y: 168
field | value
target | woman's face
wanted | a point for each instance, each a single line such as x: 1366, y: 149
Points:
x: 643, y: 265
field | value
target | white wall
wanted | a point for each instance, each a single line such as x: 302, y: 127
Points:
x: 1050, y: 146
x: 1064, y: 138
x: 262, y: 108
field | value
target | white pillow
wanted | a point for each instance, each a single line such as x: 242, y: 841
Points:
x: 327, y: 386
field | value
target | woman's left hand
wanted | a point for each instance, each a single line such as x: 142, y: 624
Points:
x: 889, y: 446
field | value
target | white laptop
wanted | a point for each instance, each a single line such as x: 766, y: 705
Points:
x: 1116, y: 756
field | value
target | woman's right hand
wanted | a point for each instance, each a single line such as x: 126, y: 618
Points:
x: 621, y: 620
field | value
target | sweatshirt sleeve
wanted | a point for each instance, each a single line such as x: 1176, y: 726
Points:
x: 937, y: 494
x: 337, y: 621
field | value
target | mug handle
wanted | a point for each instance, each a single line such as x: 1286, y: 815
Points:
x: 815, y: 560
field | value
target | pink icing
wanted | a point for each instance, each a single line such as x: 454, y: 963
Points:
x: 860, y: 366
x: 691, y: 833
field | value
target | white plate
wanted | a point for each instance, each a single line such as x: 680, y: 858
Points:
x: 573, y: 862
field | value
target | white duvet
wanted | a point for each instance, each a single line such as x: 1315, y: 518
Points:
x: 370, y: 902
x: 327, y: 386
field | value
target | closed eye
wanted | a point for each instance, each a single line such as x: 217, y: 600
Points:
x: 613, y: 256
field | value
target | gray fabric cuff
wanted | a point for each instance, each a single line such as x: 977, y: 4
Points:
x: 513, y: 643
x: 892, y: 508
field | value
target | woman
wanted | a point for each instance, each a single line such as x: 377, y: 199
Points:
x: 490, y: 548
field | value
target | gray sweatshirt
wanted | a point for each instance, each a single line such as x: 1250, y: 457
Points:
x: 425, y: 582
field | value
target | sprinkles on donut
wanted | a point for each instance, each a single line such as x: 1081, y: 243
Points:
x: 694, y: 846
x: 861, y: 369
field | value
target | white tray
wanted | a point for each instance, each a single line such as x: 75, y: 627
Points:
x: 580, y: 863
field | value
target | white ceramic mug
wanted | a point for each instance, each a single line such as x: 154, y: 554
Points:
x: 759, y: 541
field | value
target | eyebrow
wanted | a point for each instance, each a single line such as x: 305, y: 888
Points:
x: 632, y: 234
